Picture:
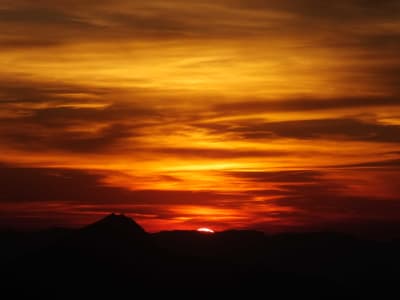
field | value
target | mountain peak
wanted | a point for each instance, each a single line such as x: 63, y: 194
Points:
x: 117, y: 223
x: 113, y: 217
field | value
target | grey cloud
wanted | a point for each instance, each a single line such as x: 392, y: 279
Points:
x: 327, y: 10
x: 24, y: 185
x: 58, y: 139
x: 15, y: 43
x: 63, y: 116
x: 305, y: 103
x: 212, y: 153
x: 278, y: 176
x: 387, y: 164
x: 181, y: 18
x: 42, y: 114
x: 315, y: 200
x: 37, y: 15
x: 334, y: 129
x: 19, y: 91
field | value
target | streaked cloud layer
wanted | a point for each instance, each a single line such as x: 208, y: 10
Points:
x: 279, y: 115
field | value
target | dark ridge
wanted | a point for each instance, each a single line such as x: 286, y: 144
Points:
x: 116, y: 235
x: 115, y: 254
x: 115, y: 224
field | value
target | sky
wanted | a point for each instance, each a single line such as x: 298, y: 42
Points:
x: 264, y: 114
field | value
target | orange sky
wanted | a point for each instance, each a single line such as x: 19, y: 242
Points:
x: 267, y: 114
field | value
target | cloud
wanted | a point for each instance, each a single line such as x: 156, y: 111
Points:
x: 37, y: 16
x: 16, y: 89
x: 182, y: 19
x: 17, y: 43
x: 78, y: 118
x: 335, y: 129
x: 22, y: 184
x: 36, y: 138
x: 49, y: 24
x: 318, y: 202
x: 278, y: 176
x: 64, y: 116
x: 340, y: 13
x: 293, y: 183
x: 335, y: 43
x: 388, y: 163
x: 214, y: 153
x: 42, y: 115
x: 305, y: 104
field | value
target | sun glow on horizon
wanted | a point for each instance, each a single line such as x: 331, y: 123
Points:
x: 205, y: 230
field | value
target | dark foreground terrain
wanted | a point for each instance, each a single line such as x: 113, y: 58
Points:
x: 116, y: 257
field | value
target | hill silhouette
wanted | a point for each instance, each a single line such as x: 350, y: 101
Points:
x: 116, y: 235
x: 116, y: 224
x: 116, y: 256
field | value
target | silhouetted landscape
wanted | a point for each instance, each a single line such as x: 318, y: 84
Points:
x: 115, y: 255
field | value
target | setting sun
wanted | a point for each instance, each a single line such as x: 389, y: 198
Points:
x: 205, y: 230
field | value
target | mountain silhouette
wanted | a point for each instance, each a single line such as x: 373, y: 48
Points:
x: 115, y: 254
x: 115, y: 237
x: 116, y: 225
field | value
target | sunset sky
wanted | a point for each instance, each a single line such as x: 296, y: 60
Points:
x: 276, y: 115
